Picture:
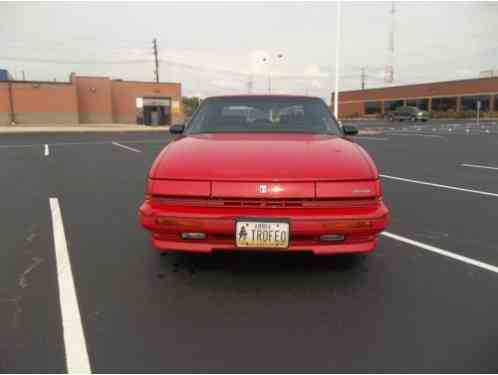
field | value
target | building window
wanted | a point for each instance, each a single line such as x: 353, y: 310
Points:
x: 496, y: 103
x: 391, y: 105
x: 444, y: 104
x: 469, y: 103
x: 373, y: 108
x: 422, y: 104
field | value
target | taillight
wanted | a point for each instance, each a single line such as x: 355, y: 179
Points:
x: 354, y: 225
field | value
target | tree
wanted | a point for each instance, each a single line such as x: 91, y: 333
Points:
x: 190, y: 104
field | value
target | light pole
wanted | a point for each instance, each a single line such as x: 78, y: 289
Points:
x: 271, y: 62
x: 337, y: 46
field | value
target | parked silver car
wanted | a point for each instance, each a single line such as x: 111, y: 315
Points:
x: 408, y: 113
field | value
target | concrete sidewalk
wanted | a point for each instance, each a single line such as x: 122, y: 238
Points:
x: 106, y: 128
x: 80, y: 128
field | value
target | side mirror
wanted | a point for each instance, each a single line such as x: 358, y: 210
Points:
x: 177, y: 129
x: 349, y: 130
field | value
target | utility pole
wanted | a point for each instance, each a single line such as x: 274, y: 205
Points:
x: 23, y: 76
x: 249, y: 85
x: 389, y: 69
x: 478, y: 110
x: 337, y: 49
x: 363, y: 77
x: 11, y: 104
x: 271, y: 61
x: 269, y: 73
x: 156, y: 71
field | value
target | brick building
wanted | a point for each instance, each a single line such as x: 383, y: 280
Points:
x: 86, y: 100
x: 438, y: 97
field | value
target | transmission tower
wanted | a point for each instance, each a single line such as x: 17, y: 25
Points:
x: 389, y: 70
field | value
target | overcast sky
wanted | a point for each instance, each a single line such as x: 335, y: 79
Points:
x: 213, y: 48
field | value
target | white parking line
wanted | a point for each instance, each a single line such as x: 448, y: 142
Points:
x: 479, y: 166
x: 80, y: 143
x: 46, y: 150
x: 146, y: 141
x: 439, y: 185
x: 371, y: 138
x: 440, y: 251
x: 74, y: 338
x: 432, y: 136
x: 56, y: 144
x: 126, y: 147
x: 83, y: 143
x: 408, y: 134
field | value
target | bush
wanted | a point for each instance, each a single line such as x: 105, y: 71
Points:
x: 461, y: 114
x: 489, y: 114
x: 350, y: 116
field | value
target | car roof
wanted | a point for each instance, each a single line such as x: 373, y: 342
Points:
x: 263, y: 96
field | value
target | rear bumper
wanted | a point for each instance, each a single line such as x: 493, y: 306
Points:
x: 360, y: 227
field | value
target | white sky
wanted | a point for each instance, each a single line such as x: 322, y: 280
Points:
x: 212, y: 48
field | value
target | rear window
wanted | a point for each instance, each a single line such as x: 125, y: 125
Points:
x: 253, y: 114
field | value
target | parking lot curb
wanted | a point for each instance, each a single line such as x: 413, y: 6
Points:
x: 79, y: 129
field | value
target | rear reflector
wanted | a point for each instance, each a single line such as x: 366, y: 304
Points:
x: 193, y: 236
x: 331, y: 237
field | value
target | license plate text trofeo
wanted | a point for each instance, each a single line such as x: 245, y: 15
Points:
x: 262, y: 234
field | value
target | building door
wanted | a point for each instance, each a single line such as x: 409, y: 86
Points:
x: 157, y: 111
x: 154, y: 116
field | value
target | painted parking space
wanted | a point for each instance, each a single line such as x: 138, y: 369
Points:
x: 144, y: 313
x: 439, y: 162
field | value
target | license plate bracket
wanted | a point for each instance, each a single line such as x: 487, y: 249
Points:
x: 262, y: 233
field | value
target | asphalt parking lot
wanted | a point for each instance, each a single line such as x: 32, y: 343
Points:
x: 424, y: 301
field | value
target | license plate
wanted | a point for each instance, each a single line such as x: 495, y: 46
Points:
x: 262, y: 234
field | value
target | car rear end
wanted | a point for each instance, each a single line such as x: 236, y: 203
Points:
x: 421, y: 115
x: 324, y: 217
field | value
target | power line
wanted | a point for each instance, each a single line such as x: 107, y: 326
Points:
x: 194, y: 68
x: 68, y: 62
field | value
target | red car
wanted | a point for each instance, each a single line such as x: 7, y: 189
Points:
x: 264, y: 173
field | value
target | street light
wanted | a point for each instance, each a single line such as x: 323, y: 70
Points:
x: 272, y: 61
x: 338, y: 39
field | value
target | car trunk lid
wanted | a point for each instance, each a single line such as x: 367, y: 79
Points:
x: 262, y: 158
